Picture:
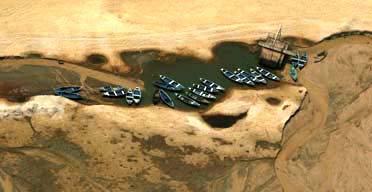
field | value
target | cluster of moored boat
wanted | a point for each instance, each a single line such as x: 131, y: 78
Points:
x: 195, y: 95
x: 199, y: 93
x: 131, y: 96
x: 251, y: 77
x: 297, y: 61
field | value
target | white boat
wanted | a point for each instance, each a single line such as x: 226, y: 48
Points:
x: 137, y: 96
x: 268, y: 74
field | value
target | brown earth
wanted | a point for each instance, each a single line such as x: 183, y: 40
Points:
x: 102, y: 29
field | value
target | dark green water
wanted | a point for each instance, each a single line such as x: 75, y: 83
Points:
x: 188, y: 69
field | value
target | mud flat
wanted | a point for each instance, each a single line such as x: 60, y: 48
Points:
x: 76, y: 147
x: 99, y: 30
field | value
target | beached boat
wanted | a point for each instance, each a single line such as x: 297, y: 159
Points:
x: 205, y: 88
x: 212, y: 84
x: 137, y: 96
x: 156, y: 97
x: 202, y: 93
x: 197, y: 98
x: 164, y: 85
x: 187, y: 100
x: 268, y: 74
x: 166, y: 98
x: 245, y: 79
x: 68, y: 89
x: 258, y: 76
x: 120, y: 93
x: 171, y: 82
x: 111, y: 88
x: 230, y: 75
x: 73, y: 96
x: 293, y: 73
x: 129, y: 97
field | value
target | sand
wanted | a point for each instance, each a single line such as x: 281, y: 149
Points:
x: 73, y: 30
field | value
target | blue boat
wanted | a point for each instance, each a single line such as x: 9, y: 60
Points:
x: 73, y: 96
x: 230, y: 75
x: 244, y: 78
x: 212, y: 84
x: 258, y: 76
x: 205, y: 88
x: 202, y: 93
x: 268, y: 74
x: 249, y: 75
x: 111, y: 88
x: 68, y: 89
x: 197, y: 98
x: 171, y: 82
x: 187, y: 100
x: 164, y: 85
x: 166, y: 98
x: 120, y: 93
x: 129, y: 97
x: 137, y: 96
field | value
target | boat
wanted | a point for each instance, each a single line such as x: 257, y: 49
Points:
x: 205, y: 88
x: 249, y: 75
x: 156, y: 97
x: 163, y: 85
x: 230, y: 75
x: 166, y: 98
x: 120, y: 93
x: 129, y: 97
x: 68, y: 89
x: 111, y: 88
x: 202, y: 93
x: 197, y: 98
x: 245, y: 79
x: 187, y: 100
x: 258, y: 76
x: 73, y: 96
x: 268, y: 74
x: 137, y: 96
x: 171, y: 82
x: 293, y: 73
x: 212, y: 84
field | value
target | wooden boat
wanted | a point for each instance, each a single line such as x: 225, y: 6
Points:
x: 163, y: 85
x: 212, y: 84
x: 249, y: 75
x: 187, y: 100
x: 258, y: 76
x: 120, y: 93
x: 156, y: 97
x: 230, y: 75
x: 166, y: 98
x: 197, y: 98
x: 111, y: 88
x: 137, y: 96
x: 293, y: 73
x: 268, y: 74
x: 171, y: 82
x: 202, y: 93
x: 129, y: 97
x: 205, y: 88
x: 68, y: 89
x: 244, y: 78
x: 72, y: 96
